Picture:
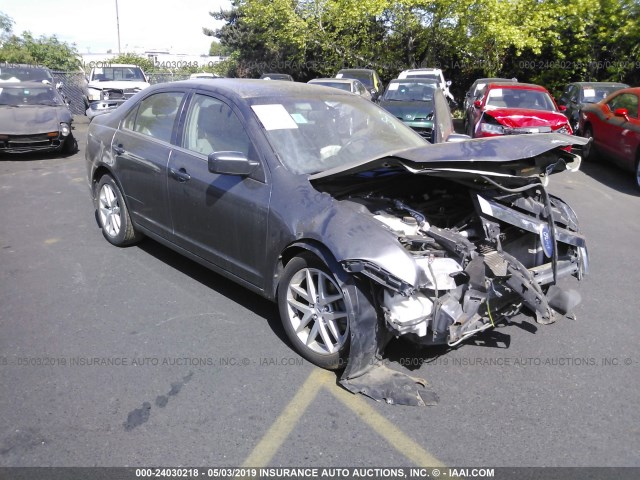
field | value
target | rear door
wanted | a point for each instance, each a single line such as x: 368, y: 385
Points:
x: 221, y: 218
x: 142, y: 148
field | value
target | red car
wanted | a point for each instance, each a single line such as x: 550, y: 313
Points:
x: 508, y: 108
x: 615, y: 128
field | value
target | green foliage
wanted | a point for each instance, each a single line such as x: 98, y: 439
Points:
x: 218, y: 50
x: 44, y: 50
x: 133, y: 59
x: 6, y: 24
x: 551, y: 42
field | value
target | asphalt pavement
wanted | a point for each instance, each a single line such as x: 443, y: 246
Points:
x: 140, y: 357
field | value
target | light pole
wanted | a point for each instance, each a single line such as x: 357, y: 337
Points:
x: 118, y: 25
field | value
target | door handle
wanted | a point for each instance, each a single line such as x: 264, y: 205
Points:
x: 119, y: 149
x: 179, y: 175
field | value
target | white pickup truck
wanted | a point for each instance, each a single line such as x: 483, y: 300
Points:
x: 110, y: 85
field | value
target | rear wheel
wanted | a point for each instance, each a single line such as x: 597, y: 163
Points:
x: 638, y: 170
x: 113, y: 215
x: 314, y: 311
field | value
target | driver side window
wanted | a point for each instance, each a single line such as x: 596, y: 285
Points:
x: 212, y: 126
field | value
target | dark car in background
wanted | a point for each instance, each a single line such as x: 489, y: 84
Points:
x: 614, y: 126
x: 577, y: 95
x: 25, y: 73
x: 420, y: 104
x: 276, y: 76
x: 368, y: 77
x: 347, y: 84
x: 326, y: 203
x: 508, y: 108
x: 34, y: 117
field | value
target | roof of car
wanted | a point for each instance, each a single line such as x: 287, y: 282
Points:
x: 109, y: 65
x: 249, y: 88
x: 28, y: 84
x: 602, y: 84
x: 426, y: 80
x: 355, y: 70
x: 423, y: 70
x: 334, y: 80
x: 517, y: 86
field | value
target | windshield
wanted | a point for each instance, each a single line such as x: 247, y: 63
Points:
x: 110, y: 74
x: 314, y: 134
x: 409, y: 91
x: 431, y: 75
x: 364, y: 77
x: 25, y: 74
x: 341, y: 85
x: 595, y: 94
x: 519, y: 98
x: 16, y: 96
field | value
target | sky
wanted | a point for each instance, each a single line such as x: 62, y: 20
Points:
x: 175, y: 25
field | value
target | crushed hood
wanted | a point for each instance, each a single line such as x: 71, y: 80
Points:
x: 506, y: 155
x: 29, y: 119
x: 523, y: 117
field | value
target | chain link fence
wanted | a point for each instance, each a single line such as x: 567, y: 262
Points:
x: 74, y: 86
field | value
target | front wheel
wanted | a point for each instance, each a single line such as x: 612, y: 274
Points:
x: 314, y: 311
x: 113, y: 215
x: 589, y: 150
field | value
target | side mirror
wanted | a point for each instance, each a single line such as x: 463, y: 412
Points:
x: 622, y: 112
x: 231, y: 163
x: 448, y: 83
x: 59, y: 86
x: 477, y: 104
x: 562, y: 108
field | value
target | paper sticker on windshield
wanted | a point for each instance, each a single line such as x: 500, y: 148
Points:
x: 274, y: 117
x: 589, y: 93
x: 495, y: 93
x: 393, y: 86
x: 339, y: 75
x: 298, y: 118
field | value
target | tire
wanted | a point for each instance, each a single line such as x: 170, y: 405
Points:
x: 638, y: 171
x: 589, y: 151
x: 70, y: 145
x: 316, y: 319
x: 113, y: 215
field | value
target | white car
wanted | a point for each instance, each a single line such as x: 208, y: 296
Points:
x: 109, y: 86
x: 433, y: 73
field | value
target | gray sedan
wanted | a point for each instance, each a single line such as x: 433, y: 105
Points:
x: 329, y: 205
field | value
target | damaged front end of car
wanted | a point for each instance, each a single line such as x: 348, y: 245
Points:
x: 485, y: 240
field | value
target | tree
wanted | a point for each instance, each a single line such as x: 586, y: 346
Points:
x: 144, y: 63
x: 218, y: 50
x: 6, y: 26
x: 44, y: 50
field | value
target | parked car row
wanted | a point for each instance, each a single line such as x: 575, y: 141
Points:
x: 417, y: 97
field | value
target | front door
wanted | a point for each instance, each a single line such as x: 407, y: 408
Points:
x: 221, y: 218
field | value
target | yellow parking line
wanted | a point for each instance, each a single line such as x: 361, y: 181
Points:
x: 285, y: 423
x: 387, y: 430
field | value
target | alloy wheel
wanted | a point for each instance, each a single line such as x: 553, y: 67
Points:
x: 109, y: 210
x: 316, y: 311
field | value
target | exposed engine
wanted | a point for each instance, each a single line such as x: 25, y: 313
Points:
x: 482, y: 253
